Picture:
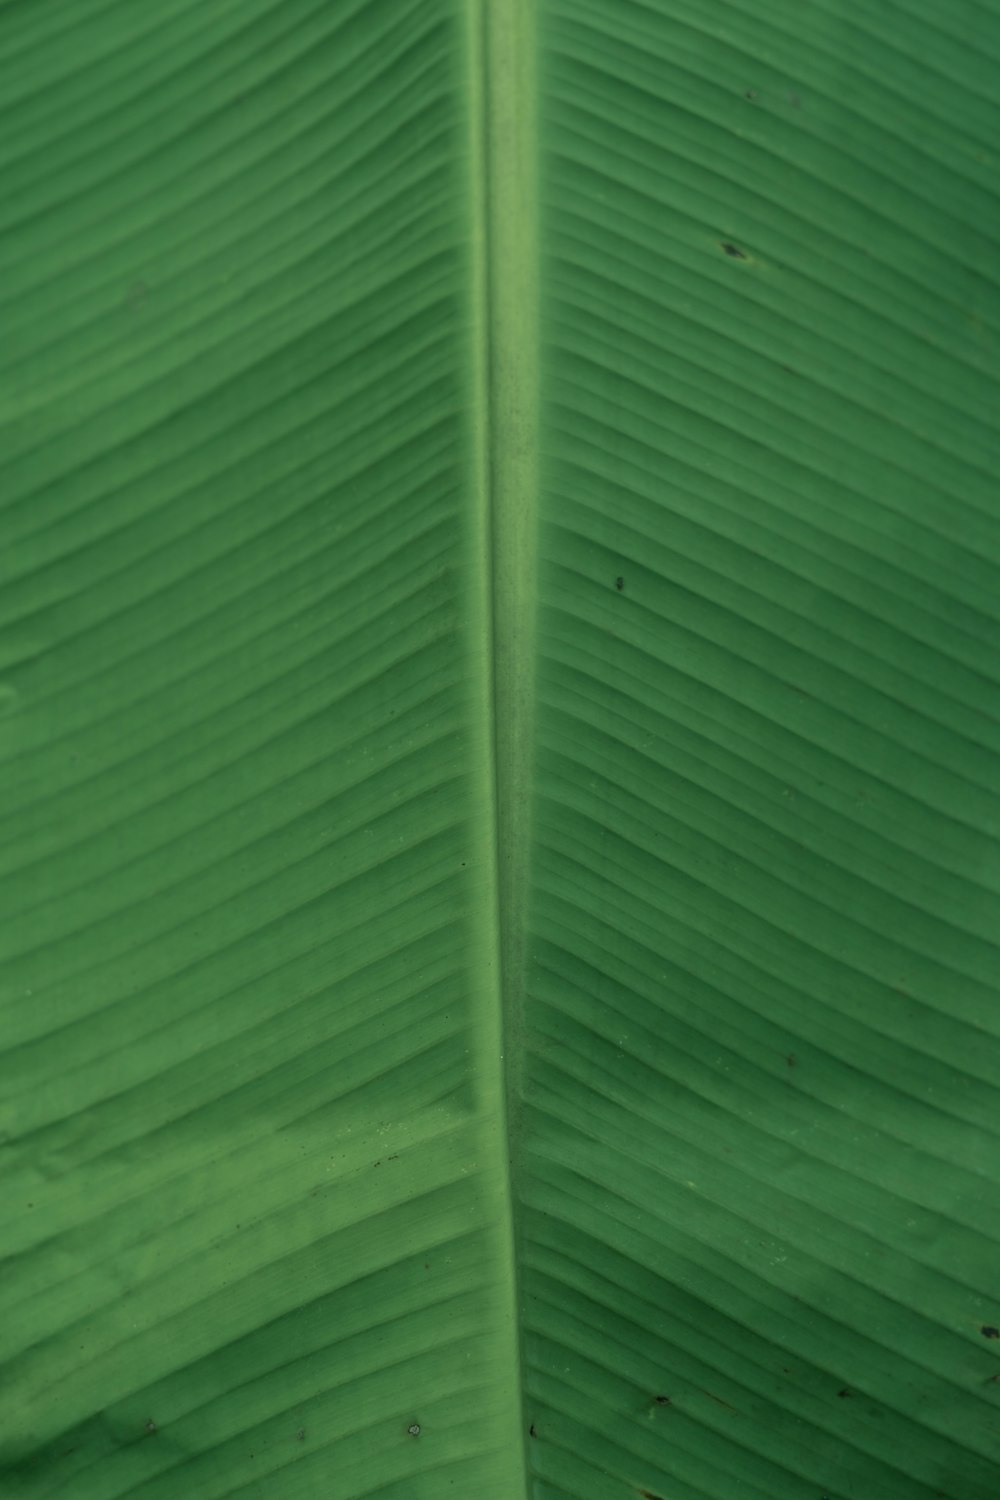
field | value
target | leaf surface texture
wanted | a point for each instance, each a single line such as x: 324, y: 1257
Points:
x: 499, y: 641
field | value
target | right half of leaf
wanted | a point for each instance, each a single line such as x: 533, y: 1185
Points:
x: 760, y: 1203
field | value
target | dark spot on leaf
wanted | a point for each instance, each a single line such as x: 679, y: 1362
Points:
x: 150, y: 1425
x: 414, y: 1429
x: 790, y: 1059
x: 619, y: 584
x: 734, y: 250
x: 751, y: 93
x: 989, y: 1332
x: 843, y: 1393
x: 648, y: 1495
x: 531, y: 1431
x: 663, y: 1400
x: 301, y: 1434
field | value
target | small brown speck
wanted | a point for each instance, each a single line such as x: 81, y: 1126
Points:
x: 648, y: 1495
x: 989, y: 1332
x: 734, y: 250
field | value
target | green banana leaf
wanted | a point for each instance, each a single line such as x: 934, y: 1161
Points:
x: 499, y: 634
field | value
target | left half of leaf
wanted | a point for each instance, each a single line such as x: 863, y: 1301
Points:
x: 253, y: 1207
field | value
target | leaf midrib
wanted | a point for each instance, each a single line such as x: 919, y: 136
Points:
x: 502, y: 121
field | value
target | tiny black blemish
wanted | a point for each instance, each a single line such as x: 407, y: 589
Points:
x: 843, y: 1393
x: 790, y: 1059
x: 301, y: 1434
x: 734, y: 250
x: 619, y: 584
x: 648, y: 1495
x: 414, y: 1429
x: 531, y: 1431
x: 662, y: 1400
x: 751, y: 93
x: 989, y: 1332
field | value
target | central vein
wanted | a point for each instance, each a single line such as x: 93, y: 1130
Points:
x: 506, y: 270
